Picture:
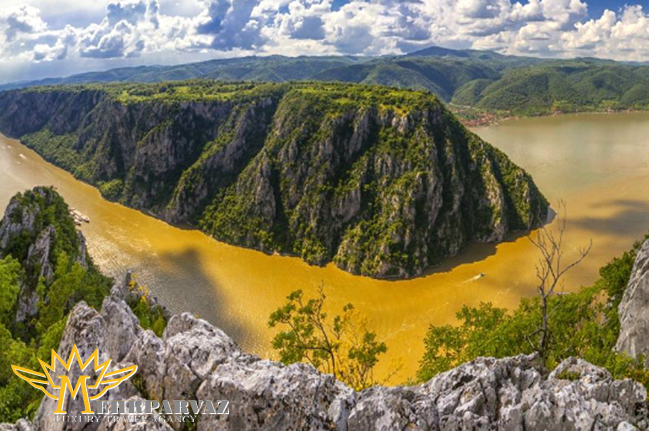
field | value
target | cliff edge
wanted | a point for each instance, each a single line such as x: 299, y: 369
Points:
x: 634, y: 309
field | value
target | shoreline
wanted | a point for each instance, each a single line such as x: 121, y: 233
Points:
x: 492, y: 118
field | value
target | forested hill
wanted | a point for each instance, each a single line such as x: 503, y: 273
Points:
x: 382, y: 182
x: 481, y: 79
x: 561, y: 86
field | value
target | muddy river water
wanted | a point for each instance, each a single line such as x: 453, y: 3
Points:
x: 598, y: 164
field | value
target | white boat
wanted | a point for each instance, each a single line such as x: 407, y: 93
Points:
x: 78, y: 217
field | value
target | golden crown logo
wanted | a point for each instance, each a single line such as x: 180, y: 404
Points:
x: 105, y: 382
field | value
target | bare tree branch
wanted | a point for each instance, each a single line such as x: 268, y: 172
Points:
x: 550, y: 271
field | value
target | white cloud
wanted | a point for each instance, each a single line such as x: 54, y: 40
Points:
x: 174, y: 30
x: 19, y: 21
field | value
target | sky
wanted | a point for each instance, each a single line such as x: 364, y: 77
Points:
x: 44, y: 38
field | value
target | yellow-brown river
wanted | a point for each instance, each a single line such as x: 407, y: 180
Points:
x: 597, y: 163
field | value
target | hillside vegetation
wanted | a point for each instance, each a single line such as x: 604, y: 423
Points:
x: 569, y: 86
x: 584, y: 324
x: 480, y: 79
x: 44, y: 270
x: 383, y: 182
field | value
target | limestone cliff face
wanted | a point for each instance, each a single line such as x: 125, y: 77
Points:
x: 35, y: 224
x: 634, y: 309
x: 382, y: 182
x: 194, y: 360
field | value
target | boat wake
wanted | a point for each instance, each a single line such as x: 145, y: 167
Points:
x: 474, y: 279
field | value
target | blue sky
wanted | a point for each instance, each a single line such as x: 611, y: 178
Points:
x: 40, y: 38
x: 597, y: 7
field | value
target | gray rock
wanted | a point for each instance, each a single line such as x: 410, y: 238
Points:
x: 634, y: 309
x: 121, y: 325
x: 82, y: 257
x: 135, y: 426
x: 16, y: 220
x: 38, y: 256
x: 39, y: 253
x: 21, y: 425
x: 268, y: 395
x: 27, y: 304
x: 89, y: 330
x: 194, y: 360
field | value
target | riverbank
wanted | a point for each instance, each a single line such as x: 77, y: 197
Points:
x: 474, y: 118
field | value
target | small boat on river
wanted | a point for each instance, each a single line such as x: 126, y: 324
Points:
x: 79, y: 217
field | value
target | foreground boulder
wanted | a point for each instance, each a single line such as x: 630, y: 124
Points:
x: 195, y: 360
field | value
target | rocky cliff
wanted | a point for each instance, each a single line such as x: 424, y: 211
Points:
x: 38, y: 231
x: 382, y: 182
x: 194, y: 360
x: 634, y: 309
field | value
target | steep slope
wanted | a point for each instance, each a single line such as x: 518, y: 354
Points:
x: 45, y: 270
x: 39, y: 233
x: 383, y: 182
x: 634, y: 310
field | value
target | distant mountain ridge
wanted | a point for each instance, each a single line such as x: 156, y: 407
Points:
x: 271, y: 68
x: 468, y: 78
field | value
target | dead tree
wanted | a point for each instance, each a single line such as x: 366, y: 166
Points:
x: 551, y: 269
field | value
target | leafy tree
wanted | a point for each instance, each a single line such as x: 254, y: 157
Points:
x: 10, y: 271
x: 16, y: 399
x: 72, y: 283
x: 583, y: 324
x: 150, y: 315
x: 341, y: 346
x: 485, y: 331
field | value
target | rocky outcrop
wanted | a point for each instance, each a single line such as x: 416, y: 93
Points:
x: 194, y: 360
x: 634, y: 309
x: 35, y: 224
x: 384, y: 183
x: 18, y: 220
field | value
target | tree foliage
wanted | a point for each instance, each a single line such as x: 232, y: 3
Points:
x: 150, y: 315
x: 22, y: 342
x: 583, y: 324
x: 341, y: 346
x: 10, y: 272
